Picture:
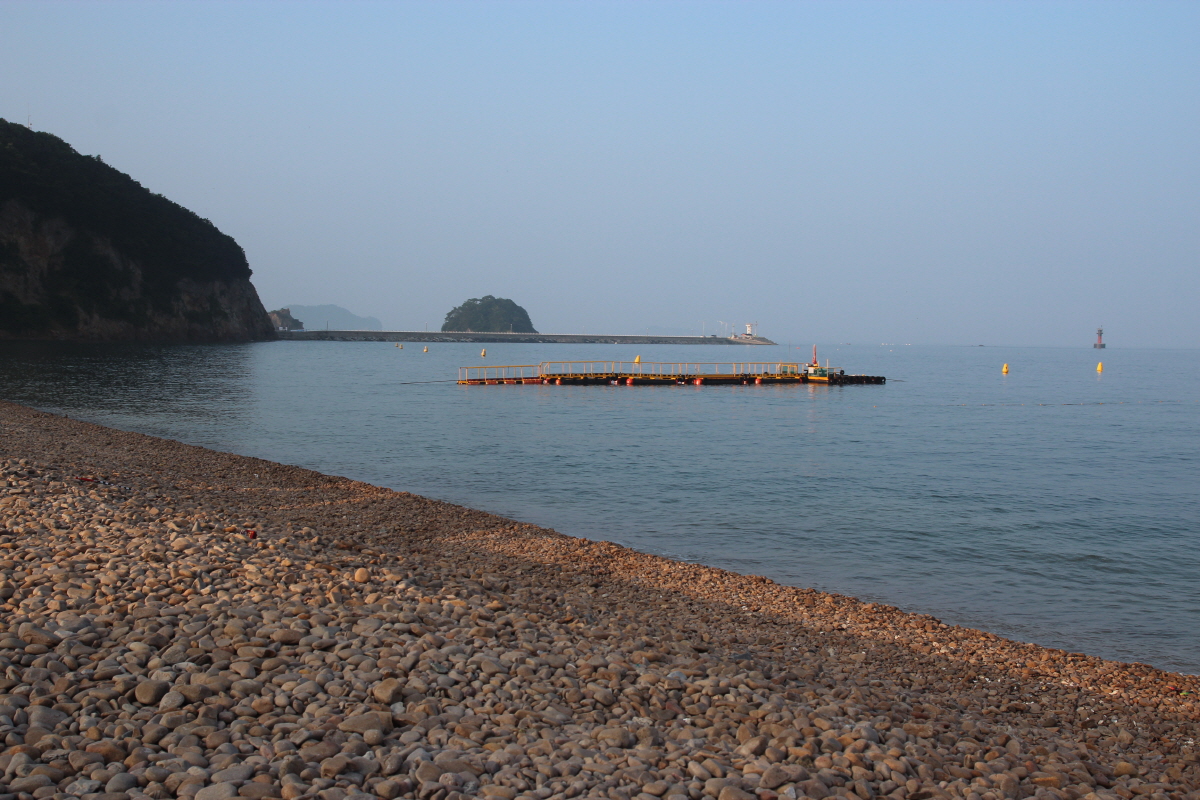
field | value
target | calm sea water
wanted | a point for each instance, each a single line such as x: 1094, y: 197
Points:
x: 1052, y: 505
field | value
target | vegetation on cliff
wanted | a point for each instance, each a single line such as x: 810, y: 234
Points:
x: 283, y: 320
x: 489, y: 314
x: 85, y: 250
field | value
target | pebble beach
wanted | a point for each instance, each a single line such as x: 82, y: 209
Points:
x: 177, y: 622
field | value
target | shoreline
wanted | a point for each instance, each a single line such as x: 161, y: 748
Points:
x: 541, y: 665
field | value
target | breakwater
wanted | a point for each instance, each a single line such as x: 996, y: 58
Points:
x: 512, y: 338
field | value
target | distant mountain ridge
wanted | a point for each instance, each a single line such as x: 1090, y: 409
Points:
x: 87, y: 252
x: 334, y: 318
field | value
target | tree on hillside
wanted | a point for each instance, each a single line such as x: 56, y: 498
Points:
x: 169, y: 242
x: 489, y: 315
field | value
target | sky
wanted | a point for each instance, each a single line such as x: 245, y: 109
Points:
x: 1013, y: 173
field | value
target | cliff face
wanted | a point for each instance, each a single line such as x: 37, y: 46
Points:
x: 87, y: 253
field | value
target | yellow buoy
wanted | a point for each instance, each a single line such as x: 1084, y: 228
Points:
x: 399, y: 345
x: 483, y: 353
x: 637, y: 359
x: 1100, y: 367
x: 426, y: 350
x: 1005, y: 370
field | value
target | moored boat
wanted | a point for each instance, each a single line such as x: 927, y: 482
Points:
x: 818, y: 374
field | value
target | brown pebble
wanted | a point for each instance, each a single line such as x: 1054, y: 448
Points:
x: 473, y: 655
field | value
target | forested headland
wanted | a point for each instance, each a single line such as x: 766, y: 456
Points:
x: 87, y: 252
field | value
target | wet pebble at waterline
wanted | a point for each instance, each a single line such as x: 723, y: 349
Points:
x: 181, y: 623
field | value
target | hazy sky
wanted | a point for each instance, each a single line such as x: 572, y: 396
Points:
x: 996, y: 173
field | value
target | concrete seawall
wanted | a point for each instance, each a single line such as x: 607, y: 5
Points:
x: 519, y: 338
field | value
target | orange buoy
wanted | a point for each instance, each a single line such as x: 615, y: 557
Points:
x: 699, y: 381
x: 629, y: 381
x: 758, y: 381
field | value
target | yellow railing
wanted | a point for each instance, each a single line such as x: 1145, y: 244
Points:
x: 562, y: 369
x: 499, y: 373
x: 649, y: 369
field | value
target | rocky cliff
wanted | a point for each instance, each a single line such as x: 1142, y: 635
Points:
x: 88, y: 253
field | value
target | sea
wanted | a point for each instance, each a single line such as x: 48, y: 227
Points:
x: 1054, y: 504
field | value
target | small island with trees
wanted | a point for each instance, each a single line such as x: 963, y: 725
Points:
x: 283, y: 320
x: 489, y: 314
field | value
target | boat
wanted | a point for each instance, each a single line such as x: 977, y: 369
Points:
x: 818, y: 374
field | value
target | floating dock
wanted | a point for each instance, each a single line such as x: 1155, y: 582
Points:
x: 659, y: 373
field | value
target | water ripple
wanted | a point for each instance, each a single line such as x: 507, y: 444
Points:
x: 1047, y: 505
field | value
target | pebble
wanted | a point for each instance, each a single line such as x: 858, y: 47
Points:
x: 368, y: 643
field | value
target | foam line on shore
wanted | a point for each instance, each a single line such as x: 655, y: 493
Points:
x: 366, y: 642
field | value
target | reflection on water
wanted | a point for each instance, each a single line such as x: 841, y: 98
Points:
x: 191, y: 392
x: 1050, y: 504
